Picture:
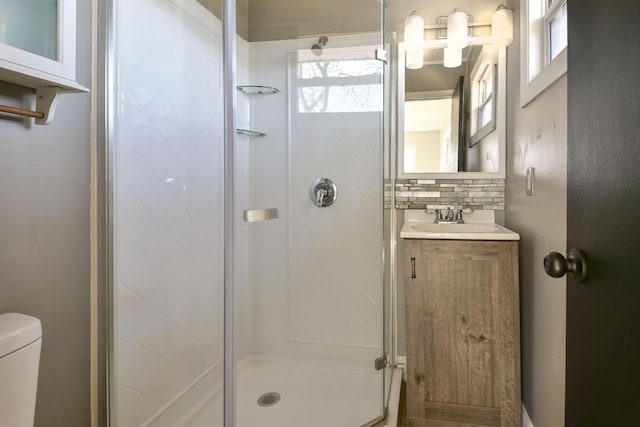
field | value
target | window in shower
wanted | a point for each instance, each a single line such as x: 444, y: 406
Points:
x: 335, y: 85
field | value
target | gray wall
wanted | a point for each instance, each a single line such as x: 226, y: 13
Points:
x: 537, y: 137
x: 44, y: 238
x: 291, y: 19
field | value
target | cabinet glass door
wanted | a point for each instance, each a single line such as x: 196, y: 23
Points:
x: 30, y: 25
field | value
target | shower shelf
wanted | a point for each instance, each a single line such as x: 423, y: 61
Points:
x: 247, y: 132
x: 257, y: 89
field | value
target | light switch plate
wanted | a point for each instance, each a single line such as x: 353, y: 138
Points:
x: 531, y: 175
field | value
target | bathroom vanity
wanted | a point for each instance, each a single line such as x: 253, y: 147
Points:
x: 463, y: 330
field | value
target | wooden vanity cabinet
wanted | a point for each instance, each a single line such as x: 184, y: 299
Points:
x: 463, y: 333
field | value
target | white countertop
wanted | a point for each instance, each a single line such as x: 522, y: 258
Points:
x: 478, y: 225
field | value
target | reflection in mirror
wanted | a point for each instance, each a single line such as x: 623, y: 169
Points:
x: 482, y: 118
x: 427, y: 134
x: 434, y: 130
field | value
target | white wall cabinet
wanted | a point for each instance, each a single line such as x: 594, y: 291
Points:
x: 38, y: 49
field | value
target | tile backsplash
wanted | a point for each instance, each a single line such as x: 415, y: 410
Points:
x: 442, y: 193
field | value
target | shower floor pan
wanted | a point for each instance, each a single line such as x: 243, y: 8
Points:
x: 310, y: 396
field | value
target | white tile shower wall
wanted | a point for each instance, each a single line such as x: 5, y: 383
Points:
x: 335, y: 253
x: 316, y: 271
x: 167, y: 215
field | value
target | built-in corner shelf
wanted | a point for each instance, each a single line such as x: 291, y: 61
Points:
x: 257, y: 89
x: 253, y: 133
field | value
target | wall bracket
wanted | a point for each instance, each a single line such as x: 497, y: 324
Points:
x: 46, y: 103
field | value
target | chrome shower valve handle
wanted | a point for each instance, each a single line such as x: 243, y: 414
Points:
x: 323, y: 192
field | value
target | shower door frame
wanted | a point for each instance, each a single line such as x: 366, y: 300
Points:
x: 229, y: 103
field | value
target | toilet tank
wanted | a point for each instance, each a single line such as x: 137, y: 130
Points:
x: 20, y: 342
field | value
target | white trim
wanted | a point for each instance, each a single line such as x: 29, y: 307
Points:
x: 549, y: 16
x: 401, y: 363
x: 532, y: 54
x: 393, y: 404
x: 433, y: 94
x: 526, y: 421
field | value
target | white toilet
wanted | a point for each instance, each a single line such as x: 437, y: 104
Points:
x: 20, y: 342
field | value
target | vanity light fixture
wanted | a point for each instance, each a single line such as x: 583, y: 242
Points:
x: 452, y: 57
x: 457, y: 30
x: 415, y: 58
x: 414, y: 40
x: 457, y: 38
x: 502, y: 26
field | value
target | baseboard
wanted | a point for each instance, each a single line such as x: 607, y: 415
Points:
x: 526, y: 421
x: 393, y: 404
x: 401, y: 362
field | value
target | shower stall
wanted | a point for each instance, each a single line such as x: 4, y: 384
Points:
x: 247, y: 166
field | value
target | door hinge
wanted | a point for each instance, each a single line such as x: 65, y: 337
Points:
x: 381, y: 363
x: 381, y: 55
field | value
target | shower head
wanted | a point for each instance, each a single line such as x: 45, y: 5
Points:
x: 316, y: 48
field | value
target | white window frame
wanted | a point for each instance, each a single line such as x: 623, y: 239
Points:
x: 537, y: 72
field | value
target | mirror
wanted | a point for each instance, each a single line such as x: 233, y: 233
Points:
x: 434, y: 125
x: 452, y: 121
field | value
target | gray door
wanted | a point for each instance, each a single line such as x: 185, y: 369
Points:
x: 603, y: 312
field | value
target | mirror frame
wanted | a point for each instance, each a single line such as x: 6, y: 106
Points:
x: 501, y: 124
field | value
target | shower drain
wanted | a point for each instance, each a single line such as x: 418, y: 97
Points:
x: 269, y: 399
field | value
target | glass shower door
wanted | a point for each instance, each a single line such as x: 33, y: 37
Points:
x: 309, y: 282
x: 166, y: 172
x: 308, y: 274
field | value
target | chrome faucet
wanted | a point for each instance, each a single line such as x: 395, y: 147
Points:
x: 449, y: 217
x: 452, y: 217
